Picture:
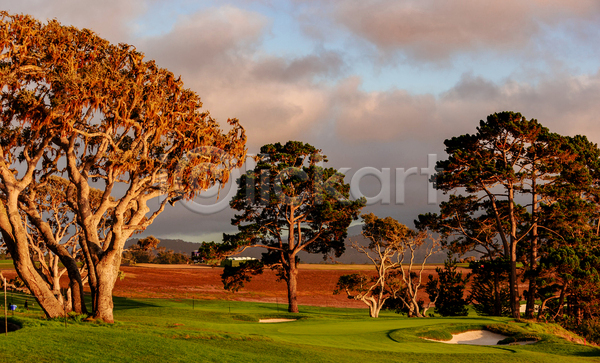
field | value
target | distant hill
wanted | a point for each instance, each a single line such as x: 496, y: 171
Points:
x: 351, y: 256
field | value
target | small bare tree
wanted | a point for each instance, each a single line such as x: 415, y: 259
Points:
x: 412, y: 273
x: 389, y: 243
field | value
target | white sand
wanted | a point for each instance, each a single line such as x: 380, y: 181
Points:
x: 478, y: 337
x: 275, y: 320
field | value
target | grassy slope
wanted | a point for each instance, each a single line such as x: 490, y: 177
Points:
x: 170, y: 331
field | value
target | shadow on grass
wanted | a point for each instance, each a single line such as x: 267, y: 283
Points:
x: 12, y: 325
x: 392, y: 335
x: 123, y: 303
x: 591, y: 353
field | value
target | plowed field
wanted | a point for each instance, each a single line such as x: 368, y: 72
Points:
x: 315, y: 284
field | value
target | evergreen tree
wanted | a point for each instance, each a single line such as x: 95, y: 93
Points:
x: 447, y: 290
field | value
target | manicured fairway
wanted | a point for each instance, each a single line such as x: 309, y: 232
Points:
x: 154, y: 330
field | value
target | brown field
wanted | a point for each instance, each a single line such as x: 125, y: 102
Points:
x: 316, y: 283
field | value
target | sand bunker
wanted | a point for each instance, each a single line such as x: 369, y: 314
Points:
x: 275, y: 320
x: 478, y: 337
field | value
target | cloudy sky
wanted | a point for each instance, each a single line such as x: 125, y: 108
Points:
x: 374, y: 84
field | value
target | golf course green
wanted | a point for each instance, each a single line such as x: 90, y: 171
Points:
x: 158, y: 330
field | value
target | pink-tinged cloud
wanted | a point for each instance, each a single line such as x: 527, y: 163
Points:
x: 271, y: 112
x: 436, y: 29
x: 218, y: 53
x: 565, y: 104
x: 209, y: 39
x: 385, y: 116
x: 111, y: 19
x: 304, y: 68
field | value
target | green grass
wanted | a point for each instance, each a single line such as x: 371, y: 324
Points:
x: 8, y: 264
x: 153, y: 330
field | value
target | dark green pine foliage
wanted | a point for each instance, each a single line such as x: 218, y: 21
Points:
x: 490, y: 295
x: 508, y: 160
x: 447, y: 290
x: 288, y: 203
x: 570, y: 254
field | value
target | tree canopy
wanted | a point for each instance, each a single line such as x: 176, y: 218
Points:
x: 75, y: 105
x: 288, y: 203
x: 521, y: 193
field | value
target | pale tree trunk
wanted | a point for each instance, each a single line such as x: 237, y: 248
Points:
x: 77, y: 303
x: 103, y: 270
x: 104, y: 303
x: 412, y: 286
x: 103, y: 261
x: 75, y: 297
x: 374, y: 306
x: 51, y: 304
x: 91, y: 267
x: 415, y: 307
x: 375, y: 303
x: 430, y: 305
x: 106, y: 273
x: 54, y: 271
x: 15, y: 239
x: 59, y: 253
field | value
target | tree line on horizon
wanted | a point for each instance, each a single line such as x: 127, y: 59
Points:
x: 146, y: 250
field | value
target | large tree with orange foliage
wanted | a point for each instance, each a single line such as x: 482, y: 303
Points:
x: 75, y: 105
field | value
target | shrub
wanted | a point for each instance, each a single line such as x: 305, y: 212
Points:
x: 447, y: 290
